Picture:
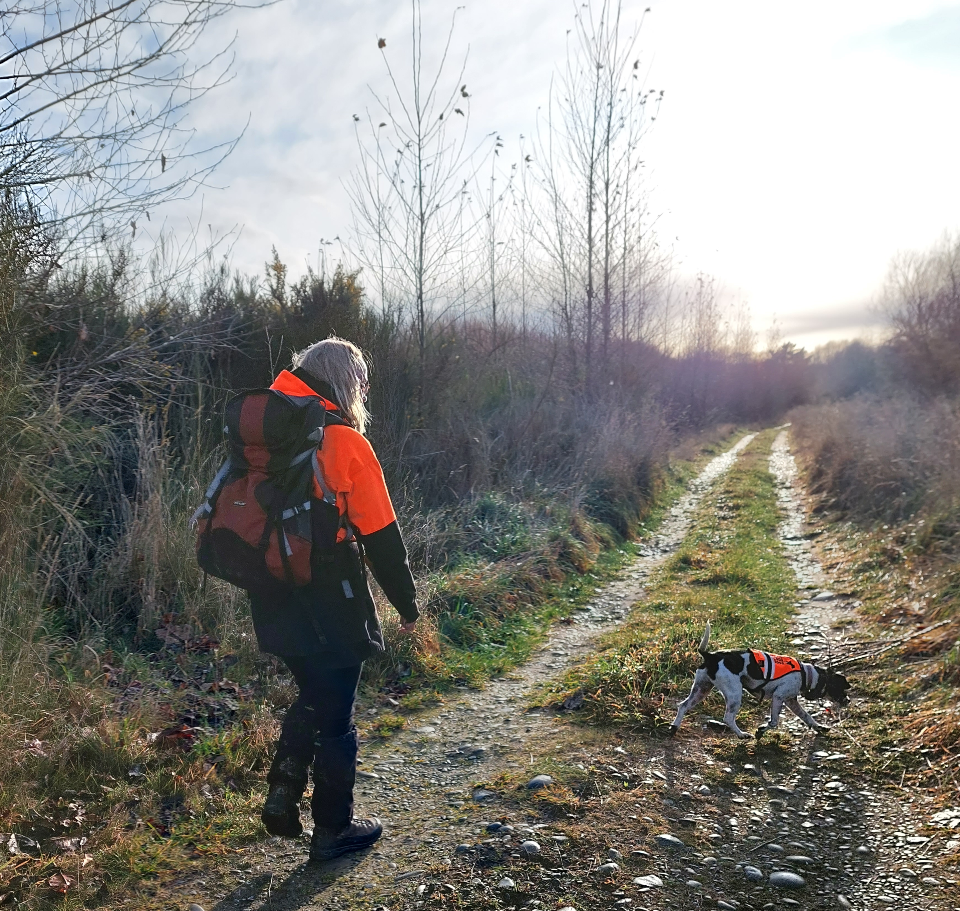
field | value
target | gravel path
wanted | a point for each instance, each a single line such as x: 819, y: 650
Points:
x: 811, y: 832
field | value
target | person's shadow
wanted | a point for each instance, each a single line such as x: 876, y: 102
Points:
x: 298, y: 889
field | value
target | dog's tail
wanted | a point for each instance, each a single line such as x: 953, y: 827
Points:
x: 704, y: 646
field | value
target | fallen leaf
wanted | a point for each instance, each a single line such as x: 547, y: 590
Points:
x: 60, y: 882
x: 69, y: 845
x: 35, y: 748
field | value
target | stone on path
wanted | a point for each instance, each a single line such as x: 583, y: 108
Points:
x: 483, y: 794
x: 506, y: 883
x: 539, y: 781
x: 666, y: 840
x: 530, y: 847
x: 608, y: 869
x: 784, y: 879
x: 650, y: 881
x: 754, y: 874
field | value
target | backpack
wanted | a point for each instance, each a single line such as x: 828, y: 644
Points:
x: 261, y: 524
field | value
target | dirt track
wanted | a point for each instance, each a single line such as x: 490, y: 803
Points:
x: 853, y: 845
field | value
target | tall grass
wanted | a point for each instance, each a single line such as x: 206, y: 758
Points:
x: 886, y: 460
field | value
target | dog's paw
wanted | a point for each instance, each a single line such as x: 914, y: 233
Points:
x: 820, y: 730
x: 743, y: 735
x: 672, y: 729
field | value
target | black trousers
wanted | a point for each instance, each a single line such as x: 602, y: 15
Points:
x: 327, y: 692
x: 318, y: 729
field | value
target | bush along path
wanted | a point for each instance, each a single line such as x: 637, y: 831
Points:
x: 556, y: 787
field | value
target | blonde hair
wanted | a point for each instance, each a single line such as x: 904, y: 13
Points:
x: 342, y: 366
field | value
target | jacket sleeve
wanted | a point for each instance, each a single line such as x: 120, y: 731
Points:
x: 387, y: 558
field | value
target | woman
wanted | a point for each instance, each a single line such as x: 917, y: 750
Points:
x: 324, y: 631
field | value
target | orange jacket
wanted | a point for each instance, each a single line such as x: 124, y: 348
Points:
x: 350, y: 468
x: 776, y: 666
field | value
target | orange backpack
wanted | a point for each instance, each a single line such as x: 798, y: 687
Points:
x: 260, y: 524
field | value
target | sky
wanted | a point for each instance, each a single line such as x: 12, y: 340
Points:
x: 797, y: 149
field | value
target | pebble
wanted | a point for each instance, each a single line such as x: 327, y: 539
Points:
x: 784, y: 879
x: 494, y: 826
x: 530, y: 847
x: 539, y: 781
x: 844, y: 903
x: 462, y: 849
x: 694, y: 884
x: 799, y: 859
x: 666, y: 840
x: 506, y: 883
x: 195, y: 907
x: 608, y: 869
x: 726, y: 906
x: 483, y: 794
x: 823, y: 596
x: 863, y: 849
x: 614, y: 854
x: 774, y: 848
x: 650, y: 881
x: 753, y: 874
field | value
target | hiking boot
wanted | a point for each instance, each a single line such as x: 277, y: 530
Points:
x: 288, y: 772
x: 281, y: 810
x: 357, y: 835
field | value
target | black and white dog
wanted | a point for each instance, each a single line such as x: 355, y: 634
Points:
x: 781, y: 678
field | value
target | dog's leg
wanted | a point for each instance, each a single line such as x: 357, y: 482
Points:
x: 729, y: 684
x: 776, y: 706
x: 698, y: 692
x: 798, y: 710
x: 730, y: 716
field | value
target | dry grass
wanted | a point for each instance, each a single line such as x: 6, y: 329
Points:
x: 886, y: 460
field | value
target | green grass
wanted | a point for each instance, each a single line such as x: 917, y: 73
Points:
x: 730, y: 569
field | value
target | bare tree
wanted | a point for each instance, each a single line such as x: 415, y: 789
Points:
x: 591, y: 174
x: 93, y: 98
x: 408, y: 192
x: 922, y: 301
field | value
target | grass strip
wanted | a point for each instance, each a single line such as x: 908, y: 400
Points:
x: 731, y: 569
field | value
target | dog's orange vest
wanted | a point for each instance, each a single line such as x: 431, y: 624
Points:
x: 776, y: 666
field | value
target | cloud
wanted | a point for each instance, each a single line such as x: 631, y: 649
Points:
x: 933, y: 39
x: 849, y: 318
